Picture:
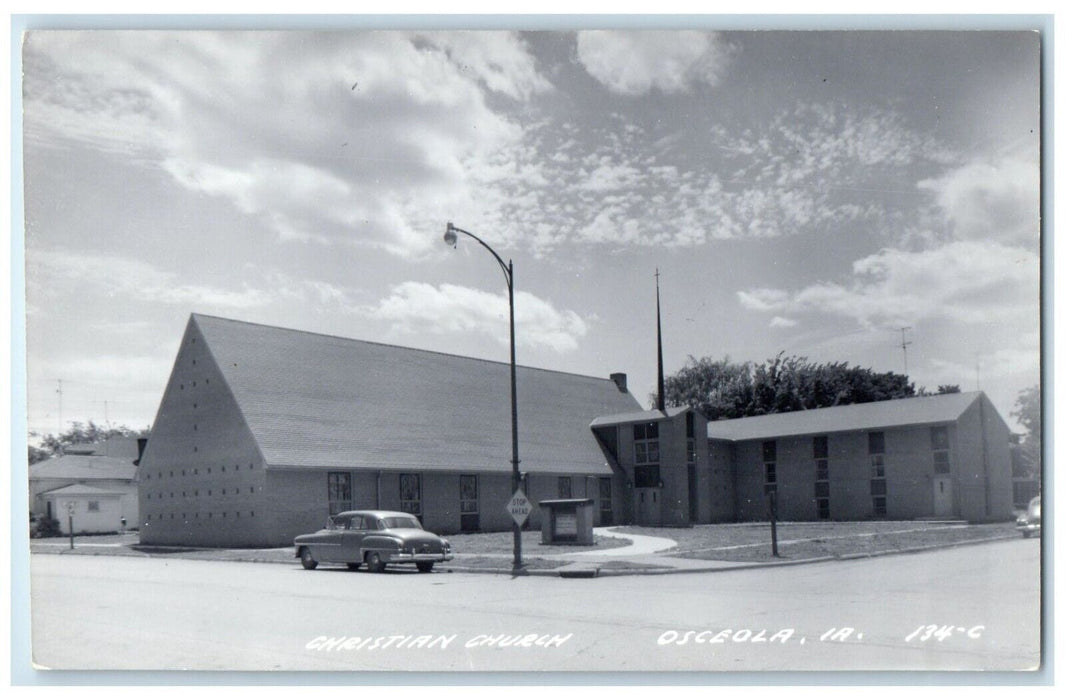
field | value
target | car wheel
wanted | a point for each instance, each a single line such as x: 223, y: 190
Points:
x: 374, y: 563
x: 425, y: 566
x: 307, y: 560
x: 354, y: 565
x: 1025, y: 534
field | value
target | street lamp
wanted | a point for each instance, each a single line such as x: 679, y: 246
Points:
x: 451, y: 238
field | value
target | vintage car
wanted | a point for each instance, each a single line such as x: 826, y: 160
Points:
x: 375, y: 538
x: 1031, y: 521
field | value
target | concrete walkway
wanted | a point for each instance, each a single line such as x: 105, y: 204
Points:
x: 641, y: 545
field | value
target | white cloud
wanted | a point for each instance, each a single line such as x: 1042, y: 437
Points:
x: 499, y: 59
x: 85, y: 274
x: 764, y: 299
x: 326, y: 137
x: 996, y: 200
x: 965, y: 281
x: 635, y: 62
x: 781, y: 322
x: 417, y: 307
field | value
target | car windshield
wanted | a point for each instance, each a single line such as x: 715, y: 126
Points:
x: 401, y: 521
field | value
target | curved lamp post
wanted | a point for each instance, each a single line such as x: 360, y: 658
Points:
x: 451, y: 238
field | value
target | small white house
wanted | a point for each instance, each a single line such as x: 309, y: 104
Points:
x: 110, y: 465
x: 88, y: 508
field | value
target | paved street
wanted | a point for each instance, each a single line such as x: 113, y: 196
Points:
x: 102, y: 612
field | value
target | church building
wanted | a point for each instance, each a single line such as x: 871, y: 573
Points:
x: 264, y: 432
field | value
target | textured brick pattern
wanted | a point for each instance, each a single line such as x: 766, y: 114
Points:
x: 908, y: 466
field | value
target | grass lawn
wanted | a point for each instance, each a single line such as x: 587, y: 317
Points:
x: 743, y: 542
x: 752, y: 542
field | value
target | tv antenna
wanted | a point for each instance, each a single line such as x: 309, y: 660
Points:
x: 904, y: 345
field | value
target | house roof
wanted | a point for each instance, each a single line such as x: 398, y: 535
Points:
x: 639, y: 416
x: 83, y: 467
x: 118, y: 447
x: 315, y: 400
x: 942, y: 408
x: 81, y: 490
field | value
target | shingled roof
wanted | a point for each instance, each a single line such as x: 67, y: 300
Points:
x: 83, y: 467
x: 315, y: 400
x: 81, y: 490
x: 942, y: 408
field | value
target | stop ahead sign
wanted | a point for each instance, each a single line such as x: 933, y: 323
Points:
x: 519, y: 507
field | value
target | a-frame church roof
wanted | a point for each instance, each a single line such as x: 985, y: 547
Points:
x: 313, y: 400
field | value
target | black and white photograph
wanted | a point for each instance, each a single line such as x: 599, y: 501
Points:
x: 604, y: 348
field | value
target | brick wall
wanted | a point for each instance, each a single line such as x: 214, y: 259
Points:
x: 908, y: 472
x: 201, y: 475
x: 992, y: 501
x: 720, y: 486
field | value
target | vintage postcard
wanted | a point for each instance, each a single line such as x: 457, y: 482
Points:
x: 601, y: 350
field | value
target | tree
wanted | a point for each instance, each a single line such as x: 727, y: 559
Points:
x: 78, y: 433
x: 723, y: 389
x: 948, y: 389
x: 718, y: 388
x: 1028, y: 410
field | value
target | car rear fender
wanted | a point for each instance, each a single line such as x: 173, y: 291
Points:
x: 378, y: 543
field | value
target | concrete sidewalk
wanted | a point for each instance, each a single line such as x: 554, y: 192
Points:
x: 641, y: 545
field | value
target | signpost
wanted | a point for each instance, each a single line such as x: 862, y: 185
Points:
x: 519, y: 507
x: 773, y: 519
x: 70, y: 521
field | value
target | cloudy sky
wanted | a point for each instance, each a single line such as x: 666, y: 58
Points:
x: 810, y: 193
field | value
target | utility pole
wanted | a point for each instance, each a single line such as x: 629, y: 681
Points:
x: 904, y: 345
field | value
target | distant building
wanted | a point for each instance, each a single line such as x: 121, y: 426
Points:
x: 107, y: 469
x: 89, y: 509
x: 264, y: 432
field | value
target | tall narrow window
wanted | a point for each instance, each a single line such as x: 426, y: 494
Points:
x: 769, y: 463
x: 878, y: 475
x: 410, y: 494
x: 565, y: 487
x: 821, y: 489
x: 469, y: 505
x: 339, y: 492
x: 645, y: 443
x: 940, y: 450
x: 606, y: 501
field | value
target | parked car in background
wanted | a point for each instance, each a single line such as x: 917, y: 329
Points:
x: 1031, y: 522
x: 376, y: 538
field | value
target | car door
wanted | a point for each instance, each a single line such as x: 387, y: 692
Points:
x: 352, y: 539
x: 330, y: 546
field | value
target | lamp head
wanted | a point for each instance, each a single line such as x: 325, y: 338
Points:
x: 450, y: 237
